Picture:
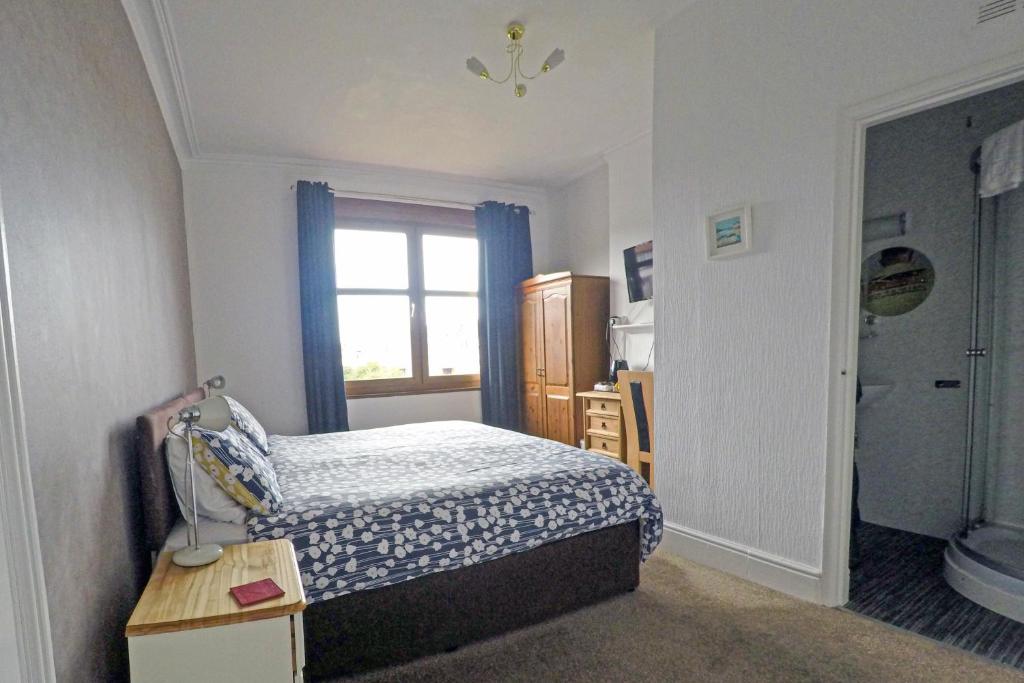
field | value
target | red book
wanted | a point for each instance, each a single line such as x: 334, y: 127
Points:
x: 257, y: 591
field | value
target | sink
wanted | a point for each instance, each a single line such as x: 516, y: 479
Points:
x: 872, y: 393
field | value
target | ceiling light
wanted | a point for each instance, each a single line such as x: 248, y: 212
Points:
x: 514, y: 50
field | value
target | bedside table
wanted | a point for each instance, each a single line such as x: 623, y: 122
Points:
x: 602, y: 417
x: 188, y: 627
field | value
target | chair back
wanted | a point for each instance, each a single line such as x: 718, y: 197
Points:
x: 637, y: 392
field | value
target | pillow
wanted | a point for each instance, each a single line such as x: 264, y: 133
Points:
x: 243, y: 421
x: 238, y: 467
x: 211, y: 501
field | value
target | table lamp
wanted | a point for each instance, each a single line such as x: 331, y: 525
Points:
x: 213, y: 414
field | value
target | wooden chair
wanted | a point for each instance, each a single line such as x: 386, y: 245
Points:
x: 637, y: 392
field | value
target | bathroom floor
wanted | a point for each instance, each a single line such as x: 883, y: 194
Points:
x: 899, y: 581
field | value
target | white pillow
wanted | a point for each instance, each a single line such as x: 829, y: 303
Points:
x: 211, y: 500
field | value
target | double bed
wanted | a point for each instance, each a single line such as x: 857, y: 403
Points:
x: 413, y: 540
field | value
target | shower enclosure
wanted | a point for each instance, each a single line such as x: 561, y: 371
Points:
x: 985, y: 559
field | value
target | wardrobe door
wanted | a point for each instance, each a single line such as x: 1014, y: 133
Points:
x: 557, y: 368
x: 532, y: 321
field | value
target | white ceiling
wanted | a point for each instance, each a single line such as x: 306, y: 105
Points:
x: 384, y: 82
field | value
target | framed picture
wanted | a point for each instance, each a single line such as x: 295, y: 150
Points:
x: 729, y: 232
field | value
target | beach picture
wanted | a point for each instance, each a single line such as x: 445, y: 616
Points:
x: 728, y: 232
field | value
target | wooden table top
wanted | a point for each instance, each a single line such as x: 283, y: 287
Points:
x: 182, y: 598
x: 611, y: 395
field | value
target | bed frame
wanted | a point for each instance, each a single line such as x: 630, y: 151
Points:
x: 437, y: 612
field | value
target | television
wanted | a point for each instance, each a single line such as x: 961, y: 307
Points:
x: 640, y: 271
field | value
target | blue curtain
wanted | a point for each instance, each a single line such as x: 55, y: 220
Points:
x: 326, y: 409
x: 506, y: 259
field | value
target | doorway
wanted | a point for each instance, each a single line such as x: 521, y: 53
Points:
x: 937, y: 454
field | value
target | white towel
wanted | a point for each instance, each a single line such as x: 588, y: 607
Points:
x: 1002, y: 161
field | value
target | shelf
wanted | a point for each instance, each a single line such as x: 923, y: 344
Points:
x: 634, y: 326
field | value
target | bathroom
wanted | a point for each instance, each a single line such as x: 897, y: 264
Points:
x: 938, y: 535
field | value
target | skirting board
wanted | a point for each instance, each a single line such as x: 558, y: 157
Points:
x: 799, y: 580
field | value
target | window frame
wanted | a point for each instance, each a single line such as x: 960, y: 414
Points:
x: 430, y: 223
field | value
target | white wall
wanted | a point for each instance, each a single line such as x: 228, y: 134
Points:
x: 630, y: 208
x: 366, y: 413
x: 243, y: 263
x: 598, y: 216
x: 580, y: 211
x: 746, y: 109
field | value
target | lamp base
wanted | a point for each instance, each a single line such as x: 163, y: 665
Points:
x: 193, y: 556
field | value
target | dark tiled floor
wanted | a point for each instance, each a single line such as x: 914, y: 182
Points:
x: 899, y: 581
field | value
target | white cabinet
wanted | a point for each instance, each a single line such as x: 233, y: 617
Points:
x: 265, y: 650
x: 187, y: 627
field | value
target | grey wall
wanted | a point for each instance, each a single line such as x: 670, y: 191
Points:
x: 911, y: 440
x: 94, y: 214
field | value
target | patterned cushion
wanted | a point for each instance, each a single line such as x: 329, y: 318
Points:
x: 238, y: 467
x: 243, y: 421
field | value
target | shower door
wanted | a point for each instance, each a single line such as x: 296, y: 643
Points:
x: 979, y: 355
x: 994, y: 462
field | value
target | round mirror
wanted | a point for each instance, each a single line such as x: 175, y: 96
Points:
x: 895, y: 281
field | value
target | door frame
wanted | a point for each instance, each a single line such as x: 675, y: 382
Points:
x: 17, y: 503
x: 845, y: 300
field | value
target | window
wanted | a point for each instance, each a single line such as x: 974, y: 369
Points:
x: 406, y: 278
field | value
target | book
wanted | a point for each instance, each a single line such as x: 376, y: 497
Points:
x: 256, y: 591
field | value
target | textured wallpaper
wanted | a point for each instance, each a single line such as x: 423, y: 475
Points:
x: 747, y: 103
x: 93, y: 209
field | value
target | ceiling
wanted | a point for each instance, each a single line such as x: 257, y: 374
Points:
x: 384, y: 82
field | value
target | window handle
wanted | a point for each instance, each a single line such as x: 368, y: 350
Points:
x: 412, y: 309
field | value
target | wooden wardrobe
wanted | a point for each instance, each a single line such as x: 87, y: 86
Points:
x: 564, y: 350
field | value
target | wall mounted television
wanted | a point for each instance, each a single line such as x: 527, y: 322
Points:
x: 640, y: 271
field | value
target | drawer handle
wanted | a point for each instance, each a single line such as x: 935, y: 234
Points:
x: 602, y: 406
x: 604, y: 445
x: 604, y: 424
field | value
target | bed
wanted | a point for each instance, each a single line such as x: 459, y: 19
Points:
x: 415, y: 540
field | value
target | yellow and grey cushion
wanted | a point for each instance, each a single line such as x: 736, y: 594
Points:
x: 238, y: 467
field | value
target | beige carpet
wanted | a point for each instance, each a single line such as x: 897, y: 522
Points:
x: 689, y: 623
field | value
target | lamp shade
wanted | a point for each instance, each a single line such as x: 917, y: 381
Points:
x: 212, y: 413
x: 556, y: 57
x: 476, y: 67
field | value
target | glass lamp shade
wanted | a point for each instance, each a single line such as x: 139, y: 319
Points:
x: 556, y: 57
x: 476, y: 67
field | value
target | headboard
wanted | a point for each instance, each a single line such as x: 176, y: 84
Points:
x: 159, y: 506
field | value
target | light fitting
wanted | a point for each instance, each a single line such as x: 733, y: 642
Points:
x: 213, y: 414
x: 514, y: 50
